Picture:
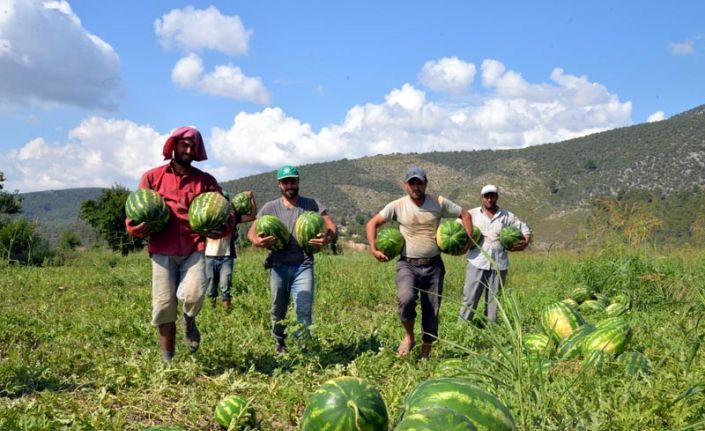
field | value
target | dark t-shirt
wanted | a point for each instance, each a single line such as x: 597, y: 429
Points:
x: 292, y: 254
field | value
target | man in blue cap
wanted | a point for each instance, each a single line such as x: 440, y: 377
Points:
x: 291, y: 268
x: 420, y: 269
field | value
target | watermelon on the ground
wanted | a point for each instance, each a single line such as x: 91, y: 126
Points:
x: 539, y: 365
x: 208, y: 213
x: 235, y: 413
x: 483, y: 409
x: 559, y: 320
x: 572, y: 346
x: 604, y: 299
x: 581, y: 294
x: 390, y: 242
x: 509, y: 236
x: 452, y: 238
x: 611, y: 336
x: 308, y: 226
x: 435, y: 419
x: 164, y: 428
x: 621, y: 298
x: 345, y: 404
x: 591, y: 306
x: 146, y: 205
x: 597, y: 359
x: 634, y: 363
x: 269, y: 225
x: 616, y: 309
x: 241, y: 203
x: 538, y: 344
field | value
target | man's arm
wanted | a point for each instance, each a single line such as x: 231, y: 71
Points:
x: 258, y: 241
x: 467, y: 221
x: 253, y: 208
x: 371, y: 231
x: 330, y: 233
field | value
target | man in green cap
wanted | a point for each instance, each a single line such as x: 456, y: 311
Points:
x: 291, y: 268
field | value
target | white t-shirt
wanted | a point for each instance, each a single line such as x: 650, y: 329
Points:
x: 493, y: 250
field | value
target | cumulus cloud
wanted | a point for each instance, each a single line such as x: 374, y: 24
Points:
x: 193, y: 29
x: 47, y: 58
x: 449, y: 74
x: 98, y: 152
x: 656, y: 116
x: 682, y: 48
x: 225, y: 80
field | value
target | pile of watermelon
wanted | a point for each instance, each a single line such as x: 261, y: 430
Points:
x: 208, y: 213
x: 269, y: 225
x: 390, y: 242
x: 309, y: 225
x: 145, y: 205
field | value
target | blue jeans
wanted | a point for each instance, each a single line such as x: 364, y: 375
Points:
x: 286, y: 281
x: 219, y: 272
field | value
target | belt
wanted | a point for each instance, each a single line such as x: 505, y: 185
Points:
x: 421, y: 260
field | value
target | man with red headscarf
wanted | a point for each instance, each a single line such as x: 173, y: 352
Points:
x: 177, y: 252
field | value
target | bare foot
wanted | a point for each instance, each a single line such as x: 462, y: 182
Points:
x: 425, y: 350
x: 405, y: 347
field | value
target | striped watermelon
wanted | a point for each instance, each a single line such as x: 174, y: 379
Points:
x: 509, y: 236
x: 616, y: 309
x: 634, y: 363
x: 208, y: 213
x: 435, y: 419
x: 621, y: 298
x: 308, y: 226
x: 453, y: 367
x: 591, y: 306
x: 483, y: 409
x: 241, y: 204
x: 559, y: 320
x: 581, y: 294
x: 234, y: 413
x: 145, y: 205
x: 271, y: 225
x: 390, y: 242
x: 611, y: 336
x: 538, y: 345
x: 597, y: 359
x: 539, y: 365
x: 604, y: 299
x: 571, y: 302
x: 571, y: 347
x: 476, y: 237
x: 164, y: 428
x: 452, y: 238
x: 345, y: 404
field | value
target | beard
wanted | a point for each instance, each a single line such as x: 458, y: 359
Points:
x: 290, y: 192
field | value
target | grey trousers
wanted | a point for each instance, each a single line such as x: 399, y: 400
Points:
x: 478, y: 281
x: 424, y: 282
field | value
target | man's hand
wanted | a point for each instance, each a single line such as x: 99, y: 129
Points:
x: 139, y: 230
x: 380, y: 256
x: 521, y: 245
x: 264, y: 241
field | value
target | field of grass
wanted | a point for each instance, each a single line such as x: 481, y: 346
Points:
x: 77, y: 350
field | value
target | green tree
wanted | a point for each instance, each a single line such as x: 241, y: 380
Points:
x: 10, y: 203
x: 106, y: 215
x: 21, y: 243
x: 69, y: 240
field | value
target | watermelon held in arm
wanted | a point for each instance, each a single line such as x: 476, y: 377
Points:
x: 476, y: 237
x: 509, y: 236
x: 452, y: 238
x: 345, y: 404
x: 145, y: 205
x: 308, y: 226
x: 241, y: 204
x: 208, y: 213
x: 390, y: 242
x: 269, y: 225
x: 235, y: 413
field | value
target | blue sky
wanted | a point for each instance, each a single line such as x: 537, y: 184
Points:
x: 91, y: 89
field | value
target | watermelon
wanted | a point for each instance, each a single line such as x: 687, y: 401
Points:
x: 345, y: 404
x: 611, y: 336
x: 634, y: 363
x: 235, y: 413
x: 241, y: 204
x: 452, y: 238
x: 616, y: 309
x: 476, y: 237
x: 452, y: 367
x: 435, y: 419
x: 597, y: 359
x: 509, y: 236
x: 539, y: 365
x: 308, y: 226
x: 269, y: 225
x: 621, y: 298
x: 560, y: 320
x: 591, y: 306
x: 390, y: 242
x: 208, y: 213
x: 604, y: 299
x: 145, y: 205
x: 483, y: 409
x: 538, y: 345
x: 581, y: 294
x: 571, y: 302
x: 164, y: 428
x: 571, y: 347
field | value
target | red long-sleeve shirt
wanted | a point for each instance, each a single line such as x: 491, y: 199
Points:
x: 177, y: 238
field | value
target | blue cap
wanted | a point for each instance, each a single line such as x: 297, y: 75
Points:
x: 415, y: 172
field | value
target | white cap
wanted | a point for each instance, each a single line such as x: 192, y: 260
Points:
x: 489, y: 188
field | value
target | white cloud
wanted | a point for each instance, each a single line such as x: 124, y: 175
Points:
x: 656, y: 116
x: 197, y: 29
x: 225, y: 80
x: 682, y: 48
x: 48, y: 58
x: 448, y: 74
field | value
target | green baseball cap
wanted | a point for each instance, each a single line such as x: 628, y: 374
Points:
x: 287, y: 171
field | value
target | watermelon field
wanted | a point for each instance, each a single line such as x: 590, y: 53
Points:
x: 77, y: 351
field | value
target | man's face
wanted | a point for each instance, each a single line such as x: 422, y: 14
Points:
x: 184, y: 151
x: 415, y: 188
x: 289, y: 187
x: 489, y: 200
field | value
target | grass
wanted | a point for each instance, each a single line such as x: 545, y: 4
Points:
x: 77, y: 351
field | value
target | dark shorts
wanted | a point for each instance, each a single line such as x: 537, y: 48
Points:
x: 420, y: 279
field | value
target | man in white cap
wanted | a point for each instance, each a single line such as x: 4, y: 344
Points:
x: 420, y: 269
x: 488, y: 262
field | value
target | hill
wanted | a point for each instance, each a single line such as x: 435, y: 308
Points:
x: 552, y: 187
